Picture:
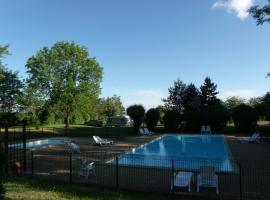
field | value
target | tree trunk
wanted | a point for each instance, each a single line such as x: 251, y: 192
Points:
x: 68, y: 120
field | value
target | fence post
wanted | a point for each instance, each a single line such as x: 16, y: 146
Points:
x: 32, y: 164
x: 6, y: 148
x: 70, y: 167
x: 172, y: 176
x: 116, y: 173
x: 24, y: 148
x: 240, y: 181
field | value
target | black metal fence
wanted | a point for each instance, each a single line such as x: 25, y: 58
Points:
x: 240, y: 179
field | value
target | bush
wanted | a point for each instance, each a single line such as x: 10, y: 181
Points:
x: 245, y: 118
x: 171, y: 120
x: 217, y: 116
x: 151, y: 118
x: 136, y: 113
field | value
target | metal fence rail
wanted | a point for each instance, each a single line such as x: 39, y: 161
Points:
x: 243, y: 179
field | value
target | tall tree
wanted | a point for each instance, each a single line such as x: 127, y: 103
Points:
x: 208, y: 93
x: 261, y: 14
x: 191, y: 92
x: 176, y: 97
x: 66, y: 77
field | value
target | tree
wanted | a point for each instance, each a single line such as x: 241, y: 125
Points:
x: 232, y: 102
x: 217, y: 116
x: 161, y: 109
x: 172, y: 120
x: 261, y: 14
x: 3, y: 51
x: 208, y: 93
x: 66, y: 77
x: 110, y: 107
x: 176, y: 97
x: 10, y: 87
x: 263, y: 108
x: 136, y: 113
x: 191, y: 92
x: 245, y: 118
x: 151, y: 118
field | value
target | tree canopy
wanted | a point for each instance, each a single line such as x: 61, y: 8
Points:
x: 208, y: 93
x: 261, y: 14
x: 66, y: 77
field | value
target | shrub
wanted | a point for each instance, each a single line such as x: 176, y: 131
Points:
x: 217, y: 116
x: 171, y: 120
x: 245, y: 118
x: 136, y: 113
x: 151, y: 118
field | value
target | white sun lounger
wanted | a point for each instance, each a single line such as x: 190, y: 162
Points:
x: 207, y: 178
x: 254, y: 138
x: 183, y: 179
x: 100, y: 141
x: 206, y: 129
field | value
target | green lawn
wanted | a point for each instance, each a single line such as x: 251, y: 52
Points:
x: 25, y: 188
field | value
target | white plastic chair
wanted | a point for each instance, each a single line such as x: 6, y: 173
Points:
x: 85, y: 169
x: 183, y: 179
x: 208, y: 129
x: 141, y: 131
x: 203, y: 129
x: 207, y: 178
x: 147, y: 132
x: 73, y: 148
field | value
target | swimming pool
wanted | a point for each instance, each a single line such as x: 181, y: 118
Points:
x: 181, y: 151
x: 39, y: 143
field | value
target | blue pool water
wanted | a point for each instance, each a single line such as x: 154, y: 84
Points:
x: 40, y: 143
x: 187, y: 152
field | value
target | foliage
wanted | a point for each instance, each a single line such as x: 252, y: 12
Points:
x: 175, y: 100
x: 217, y: 116
x: 262, y: 14
x: 263, y: 107
x: 151, y: 118
x: 66, y: 77
x: 233, y: 101
x: 191, y: 93
x: 172, y: 120
x: 245, y: 118
x: 161, y: 109
x: 136, y: 113
x: 10, y: 86
x: 208, y: 93
x: 109, y: 107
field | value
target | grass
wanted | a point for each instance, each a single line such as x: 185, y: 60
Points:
x: 108, y: 132
x: 26, y: 188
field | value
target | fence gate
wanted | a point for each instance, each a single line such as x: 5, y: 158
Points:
x: 15, y: 149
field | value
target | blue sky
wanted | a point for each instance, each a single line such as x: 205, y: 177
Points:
x: 144, y: 46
